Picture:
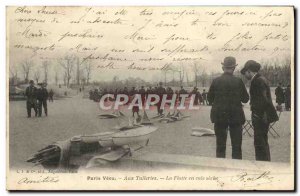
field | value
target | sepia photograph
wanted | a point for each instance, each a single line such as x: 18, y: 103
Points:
x: 150, y: 98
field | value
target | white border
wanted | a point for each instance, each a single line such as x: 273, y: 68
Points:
x: 5, y: 3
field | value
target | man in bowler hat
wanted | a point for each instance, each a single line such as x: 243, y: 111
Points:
x: 263, y: 110
x: 226, y: 94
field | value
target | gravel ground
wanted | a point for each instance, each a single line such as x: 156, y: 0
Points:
x: 76, y: 115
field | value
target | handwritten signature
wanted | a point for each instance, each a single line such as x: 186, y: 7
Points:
x: 38, y: 180
x: 250, y: 179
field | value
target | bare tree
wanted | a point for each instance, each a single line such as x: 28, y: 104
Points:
x: 57, y: 74
x: 26, y: 67
x: 56, y: 77
x: 67, y: 64
x: 196, y: 70
x: 45, y: 67
x: 65, y: 79
x: 78, y: 72
x: 165, y: 72
x: 82, y: 78
x: 187, y: 79
x: 13, y: 74
x: 88, y: 69
x: 173, y: 70
x: 37, y: 75
x: 181, y: 74
x: 203, y: 78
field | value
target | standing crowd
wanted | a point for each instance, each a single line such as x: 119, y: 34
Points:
x: 200, y: 98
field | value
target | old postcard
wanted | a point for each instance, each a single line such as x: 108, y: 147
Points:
x: 150, y: 98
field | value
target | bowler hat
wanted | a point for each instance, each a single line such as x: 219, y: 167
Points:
x: 229, y: 62
x: 252, y: 66
x: 31, y: 82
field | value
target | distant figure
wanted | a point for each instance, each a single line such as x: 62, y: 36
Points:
x: 198, y: 97
x: 31, y: 102
x: 149, y: 92
x: 91, y: 95
x: 142, y: 92
x: 170, y: 94
x: 182, y: 91
x: 80, y: 89
x: 104, y: 92
x: 133, y: 91
x: 160, y: 91
x: 262, y: 108
x: 42, y: 97
x: 126, y: 93
x: 135, y: 109
x: 279, y: 95
x: 51, y: 94
x: 96, y: 96
x: 204, y: 97
x: 287, y: 95
x: 226, y: 94
x: 116, y: 92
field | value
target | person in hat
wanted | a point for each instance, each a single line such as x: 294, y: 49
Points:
x: 31, y: 95
x: 263, y: 110
x: 226, y: 94
x: 42, y: 97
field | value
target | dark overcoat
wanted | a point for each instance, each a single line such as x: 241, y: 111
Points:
x: 31, y: 94
x: 261, y: 100
x: 226, y: 94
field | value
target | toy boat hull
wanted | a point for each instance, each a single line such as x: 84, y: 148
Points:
x: 107, y: 116
x: 95, y: 137
x: 133, y: 136
x: 128, y: 137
